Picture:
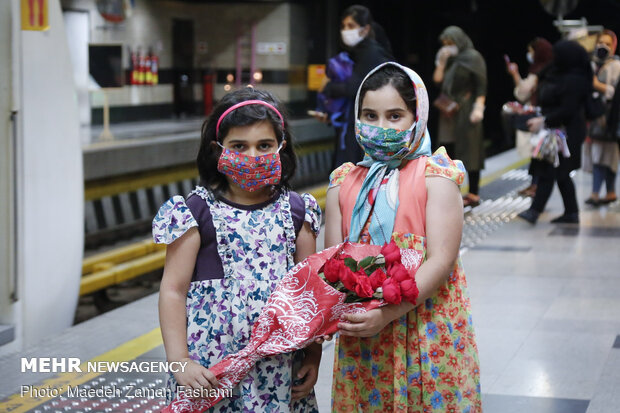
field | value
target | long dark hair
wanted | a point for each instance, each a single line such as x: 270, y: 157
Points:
x: 209, y: 153
x: 360, y: 14
x: 394, y: 76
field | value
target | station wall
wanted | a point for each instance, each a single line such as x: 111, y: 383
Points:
x: 7, y: 287
x: 216, y: 28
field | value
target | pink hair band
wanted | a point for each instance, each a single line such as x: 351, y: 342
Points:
x: 245, y: 103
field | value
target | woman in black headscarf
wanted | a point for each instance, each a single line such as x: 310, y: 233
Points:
x: 358, y: 37
x: 563, y: 89
x: 462, y: 73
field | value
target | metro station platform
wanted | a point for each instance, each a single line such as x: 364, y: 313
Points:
x: 545, y: 302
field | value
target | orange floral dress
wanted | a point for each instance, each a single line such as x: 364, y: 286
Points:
x: 427, y: 360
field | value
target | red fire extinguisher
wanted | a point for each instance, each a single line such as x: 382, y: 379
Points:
x: 142, y: 69
x: 154, y: 69
x: 148, y: 75
x: 135, y: 68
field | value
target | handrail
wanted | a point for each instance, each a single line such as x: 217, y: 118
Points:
x: 14, y: 234
x: 107, y: 259
x: 122, y: 272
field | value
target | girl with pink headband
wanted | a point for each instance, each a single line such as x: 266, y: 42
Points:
x: 229, y: 244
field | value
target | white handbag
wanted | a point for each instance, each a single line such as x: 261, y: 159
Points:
x: 524, y: 144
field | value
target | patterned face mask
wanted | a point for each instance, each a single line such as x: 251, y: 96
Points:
x: 251, y: 172
x: 383, y: 144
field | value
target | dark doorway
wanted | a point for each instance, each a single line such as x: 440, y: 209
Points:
x: 183, y: 66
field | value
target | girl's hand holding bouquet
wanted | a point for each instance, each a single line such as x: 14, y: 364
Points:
x: 373, y: 277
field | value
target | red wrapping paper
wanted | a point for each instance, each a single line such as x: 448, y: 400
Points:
x: 302, y: 308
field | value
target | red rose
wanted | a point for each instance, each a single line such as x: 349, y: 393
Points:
x: 331, y: 270
x: 377, y: 278
x: 398, y: 272
x: 391, y: 252
x: 348, y: 278
x: 363, y: 288
x: 409, y: 290
x: 391, y: 291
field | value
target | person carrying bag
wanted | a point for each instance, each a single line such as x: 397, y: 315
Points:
x: 601, y: 153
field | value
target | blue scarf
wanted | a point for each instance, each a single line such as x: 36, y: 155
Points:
x: 385, y: 150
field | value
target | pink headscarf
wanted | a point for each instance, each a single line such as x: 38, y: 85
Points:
x: 614, y: 39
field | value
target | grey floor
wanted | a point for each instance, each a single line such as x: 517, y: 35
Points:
x: 546, y: 309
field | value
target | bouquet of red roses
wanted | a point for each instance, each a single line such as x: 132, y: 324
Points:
x: 304, y: 306
x: 381, y: 277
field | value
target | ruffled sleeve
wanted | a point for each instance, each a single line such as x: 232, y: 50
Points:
x: 172, y: 220
x: 440, y: 164
x: 338, y: 174
x: 313, y: 213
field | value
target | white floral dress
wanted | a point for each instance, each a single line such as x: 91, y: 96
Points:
x: 256, y: 248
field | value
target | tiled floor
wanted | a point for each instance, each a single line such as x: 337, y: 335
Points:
x: 547, y: 315
x: 547, y: 318
x: 545, y: 303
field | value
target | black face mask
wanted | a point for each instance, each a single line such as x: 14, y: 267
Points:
x: 602, y: 52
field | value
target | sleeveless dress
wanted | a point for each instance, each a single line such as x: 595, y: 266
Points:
x: 244, y: 252
x: 427, y: 360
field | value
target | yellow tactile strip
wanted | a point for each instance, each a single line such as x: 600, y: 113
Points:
x: 127, y: 351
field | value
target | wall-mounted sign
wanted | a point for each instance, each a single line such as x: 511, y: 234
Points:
x: 316, y: 76
x: 35, y: 15
x: 271, y: 48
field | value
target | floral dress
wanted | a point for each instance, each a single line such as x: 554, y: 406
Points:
x: 255, y: 246
x: 427, y: 360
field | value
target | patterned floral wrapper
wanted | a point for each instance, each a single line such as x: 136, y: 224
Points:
x: 301, y: 309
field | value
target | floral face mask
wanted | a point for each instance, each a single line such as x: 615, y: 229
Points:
x: 251, y: 172
x: 383, y: 144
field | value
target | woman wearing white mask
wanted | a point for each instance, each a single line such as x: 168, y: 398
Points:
x: 358, y: 37
x: 539, y: 55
